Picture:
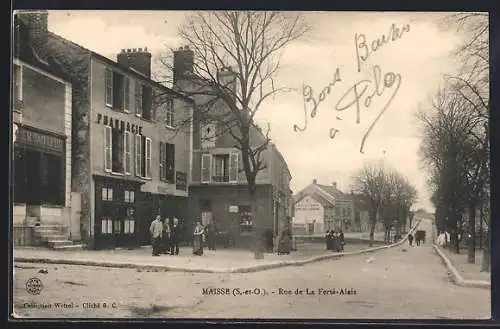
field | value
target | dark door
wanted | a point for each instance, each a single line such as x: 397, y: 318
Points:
x: 124, y: 225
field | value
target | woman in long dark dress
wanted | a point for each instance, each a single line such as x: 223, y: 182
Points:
x: 210, y: 233
x: 198, y: 239
x: 284, y: 245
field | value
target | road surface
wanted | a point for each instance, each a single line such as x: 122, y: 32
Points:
x: 398, y: 283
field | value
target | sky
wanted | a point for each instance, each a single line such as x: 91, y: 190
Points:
x: 417, y: 61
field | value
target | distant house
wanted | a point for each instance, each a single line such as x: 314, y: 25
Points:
x: 362, y: 214
x: 319, y: 208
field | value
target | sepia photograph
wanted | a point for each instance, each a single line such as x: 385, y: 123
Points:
x: 250, y: 165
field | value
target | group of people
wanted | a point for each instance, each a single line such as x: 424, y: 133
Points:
x: 335, y: 240
x: 165, y: 236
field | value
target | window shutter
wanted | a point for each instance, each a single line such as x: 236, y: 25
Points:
x: 108, y: 87
x: 206, y: 168
x: 138, y: 155
x: 162, y: 161
x: 127, y: 152
x: 138, y: 99
x: 108, y: 148
x: 233, y: 166
x: 126, y: 94
x: 170, y: 163
x: 148, y: 158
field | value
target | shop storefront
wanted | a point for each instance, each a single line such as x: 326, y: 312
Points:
x: 116, y: 222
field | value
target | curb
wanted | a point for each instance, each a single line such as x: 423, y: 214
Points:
x: 455, y: 275
x: 248, y: 269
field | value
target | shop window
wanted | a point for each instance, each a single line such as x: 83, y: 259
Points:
x: 245, y: 215
x: 167, y: 162
x: 117, y: 226
x: 106, y: 225
x: 128, y: 226
x: 117, y: 90
x: 129, y: 196
x: 107, y: 194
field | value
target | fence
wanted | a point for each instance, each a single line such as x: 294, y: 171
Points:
x: 22, y: 235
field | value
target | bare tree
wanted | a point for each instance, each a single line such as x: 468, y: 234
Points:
x: 369, y: 181
x: 236, y: 58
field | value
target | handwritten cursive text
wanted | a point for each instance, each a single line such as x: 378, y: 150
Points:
x: 308, y: 94
x: 354, y: 95
x: 364, y: 50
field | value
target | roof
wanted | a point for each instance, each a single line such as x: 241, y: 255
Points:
x: 129, y: 70
x: 323, y: 201
x: 24, y: 51
x: 330, y: 189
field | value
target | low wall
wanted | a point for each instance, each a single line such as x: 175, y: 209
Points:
x: 22, y: 235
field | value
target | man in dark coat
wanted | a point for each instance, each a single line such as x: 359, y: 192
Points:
x: 174, y: 237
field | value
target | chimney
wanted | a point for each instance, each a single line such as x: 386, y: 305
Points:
x: 227, y: 77
x: 138, y: 59
x: 37, y: 26
x: 183, y: 63
x: 315, y: 181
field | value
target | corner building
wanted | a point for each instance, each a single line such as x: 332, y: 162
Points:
x: 130, y: 161
x: 218, y: 190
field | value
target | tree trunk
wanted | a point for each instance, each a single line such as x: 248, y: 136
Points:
x: 257, y: 226
x: 486, y: 264
x: 481, y: 228
x: 373, y: 221
x: 471, y: 255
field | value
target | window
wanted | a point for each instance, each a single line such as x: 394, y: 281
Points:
x: 245, y: 215
x: 143, y: 101
x: 107, y: 194
x: 221, y: 168
x: 147, y: 103
x: 167, y: 162
x: 143, y: 156
x: 206, y: 168
x: 138, y: 155
x: 169, y: 113
x: 18, y: 82
x: 129, y: 196
x: 117, y: 90
x: 138, y: 99
x: 117, y: 151
x: 208, y: 134
x: 106, y: 225
x: 128, y: 226
x: 233, y: 166
x: 107, y: 148
x: 147, y: 161
x: 128, y: 152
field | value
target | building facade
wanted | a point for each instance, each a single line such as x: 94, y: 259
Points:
x: 41, y: 166
x: 218, y: 190
x: 130, y: 161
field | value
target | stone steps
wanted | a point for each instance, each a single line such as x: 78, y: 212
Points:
x: 51, y: 235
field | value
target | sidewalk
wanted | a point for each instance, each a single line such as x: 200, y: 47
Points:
x: 219, y: 261
x: 466, y: 270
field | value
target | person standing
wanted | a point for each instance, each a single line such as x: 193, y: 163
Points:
x: 410, y: 239
x: 166, y: 236
x: 210, y: 233
x: 156, y: 230
x: 198, y: 239
x: 174, y: 237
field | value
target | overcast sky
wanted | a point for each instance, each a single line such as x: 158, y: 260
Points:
x: 421, y: 56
